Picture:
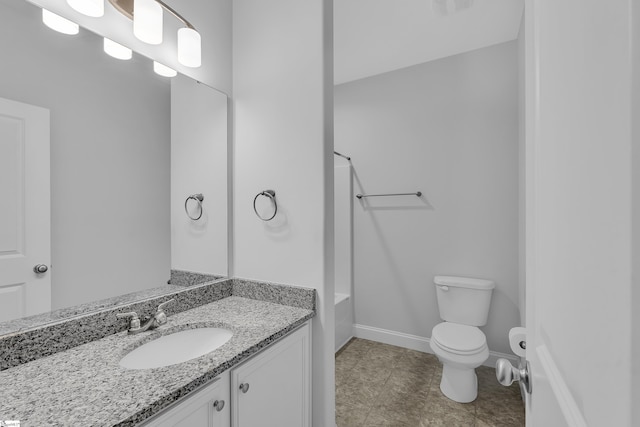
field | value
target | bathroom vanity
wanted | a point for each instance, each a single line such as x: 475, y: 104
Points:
x: 261, y: 376
x: 270, y: 389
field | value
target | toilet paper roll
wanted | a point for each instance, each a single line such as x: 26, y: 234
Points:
x: 517, y: 340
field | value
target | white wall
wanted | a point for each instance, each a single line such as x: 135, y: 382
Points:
x: 448, y: 128
x: 198, y: 165
x: 212, y: 19
x: 109, y: 157
x: 282, y: 86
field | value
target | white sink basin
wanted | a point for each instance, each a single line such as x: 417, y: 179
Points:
x: 176, y: 348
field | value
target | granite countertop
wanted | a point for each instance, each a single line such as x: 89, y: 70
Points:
x: 85, y: 386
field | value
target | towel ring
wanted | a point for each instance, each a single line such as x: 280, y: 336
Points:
x: 198, y: 198
x: 270, y: 194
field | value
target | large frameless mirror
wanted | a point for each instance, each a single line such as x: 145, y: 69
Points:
x: 137, y: 179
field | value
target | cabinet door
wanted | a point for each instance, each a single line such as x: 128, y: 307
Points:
x: 273, y: 388
x: 208, y: 407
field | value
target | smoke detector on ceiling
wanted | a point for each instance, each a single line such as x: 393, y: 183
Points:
x: 448, y: 7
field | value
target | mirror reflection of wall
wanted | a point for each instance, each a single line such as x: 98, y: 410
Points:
x: 111, y: 147
x: 198, y: 166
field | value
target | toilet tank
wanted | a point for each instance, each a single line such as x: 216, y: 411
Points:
x: 464, y: 300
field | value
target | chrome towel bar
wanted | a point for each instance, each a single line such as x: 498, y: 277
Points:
x: 417, y: 193
x: 342, y: 155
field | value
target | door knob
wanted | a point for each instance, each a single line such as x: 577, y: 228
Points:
x: 244, y: 387
x: 40, y: 269
x: 218, y: 405
x: 507, y: 374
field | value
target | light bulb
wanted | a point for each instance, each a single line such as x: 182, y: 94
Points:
x: 116, y: 50
x: 147, y: 21
x: 189, y: 47
x: 93, y: 8
x: 163, y: 70
x: 59, y: 24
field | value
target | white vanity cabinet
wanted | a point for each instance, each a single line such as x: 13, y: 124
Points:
x: 273, y: 388
x: 208, y: 407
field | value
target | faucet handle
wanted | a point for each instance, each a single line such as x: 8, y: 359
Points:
x: 162, y: 306
x: 160, y: 316
x: 134, y: 323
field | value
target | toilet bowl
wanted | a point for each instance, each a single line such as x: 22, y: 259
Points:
x: 457, y: 342
x: 460, y: 349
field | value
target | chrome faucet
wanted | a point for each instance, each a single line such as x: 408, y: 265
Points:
x: 159, y: 318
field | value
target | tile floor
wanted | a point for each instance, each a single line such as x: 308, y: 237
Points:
x: 382, y: 385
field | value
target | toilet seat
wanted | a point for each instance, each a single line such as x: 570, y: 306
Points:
x: 459, y: 339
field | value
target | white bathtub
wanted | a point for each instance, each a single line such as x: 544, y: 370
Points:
x: 344, y: 320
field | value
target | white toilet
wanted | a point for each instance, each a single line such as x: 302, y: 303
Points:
x: 460, y: 346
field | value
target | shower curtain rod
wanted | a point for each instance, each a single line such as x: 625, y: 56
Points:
x: 342, y: 155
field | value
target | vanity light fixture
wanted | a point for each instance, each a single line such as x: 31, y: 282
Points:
x: 116, y: 50
x: 147, y: 21
x: 189, y: 47
x: 93, y: 8
x: 58, y: 23
x: 163, y: 70
x: 147, y: 16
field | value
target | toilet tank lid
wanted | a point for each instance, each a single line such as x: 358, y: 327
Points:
x: 464, y: 282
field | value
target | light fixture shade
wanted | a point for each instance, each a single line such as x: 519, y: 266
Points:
x: 58, y: 23
x: 93, y: 8
x: 189, y: 47
x: 116, y: 50
x: 163, y: 70
x: 147, y: 21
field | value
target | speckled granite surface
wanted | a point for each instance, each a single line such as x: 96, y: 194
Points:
x: 55, y: 316
x: 190, y: 278
x: 39, y: 320
x: 25, y: 346
x: 85, y: 386
x: 272, y: 292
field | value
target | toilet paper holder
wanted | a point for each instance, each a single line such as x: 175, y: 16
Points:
x: 518, y: 341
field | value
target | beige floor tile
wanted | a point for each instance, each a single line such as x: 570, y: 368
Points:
x: 400, y: 401
x: 498, y: 405
x: 361, y: 390
x: 490, y: 418
x: 414, y: 358
x: 350, y: 416
x: 382, y: 385
x: 441, y: 411
x: 356, y: 345
x: 412, y: 382
x: 378, y: 419
x: 500, y: 410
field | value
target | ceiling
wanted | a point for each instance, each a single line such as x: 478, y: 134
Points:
x: 376, y: 36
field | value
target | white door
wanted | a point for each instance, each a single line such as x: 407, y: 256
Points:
x: 25, y: 238
x: 578, y: 214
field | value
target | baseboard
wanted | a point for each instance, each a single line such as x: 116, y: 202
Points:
x: 417, y: 343
x: 386, y: 336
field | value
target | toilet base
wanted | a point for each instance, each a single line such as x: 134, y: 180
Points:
x: 460, y: 385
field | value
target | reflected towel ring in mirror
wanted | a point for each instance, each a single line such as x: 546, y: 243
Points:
x: 270, y: 194
x: 198, y: 198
